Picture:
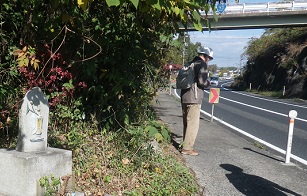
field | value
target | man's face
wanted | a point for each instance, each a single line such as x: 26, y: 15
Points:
x: 207, y: 58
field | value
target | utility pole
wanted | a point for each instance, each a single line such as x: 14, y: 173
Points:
x: 186, y: 35
x: 170, y: 79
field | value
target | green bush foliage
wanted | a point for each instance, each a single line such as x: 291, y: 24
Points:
x: 99, y: 63
x: 273, y: 56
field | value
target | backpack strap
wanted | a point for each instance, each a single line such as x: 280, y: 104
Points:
x: 196, y: 72
x: 197, y: 67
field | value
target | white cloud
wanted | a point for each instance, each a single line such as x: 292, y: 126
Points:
x: 228, y: 45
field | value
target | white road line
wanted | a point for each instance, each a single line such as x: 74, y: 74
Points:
x: 258, y: 108
x: 290, y: 104
x: 252, y: 136
x: 256, y: 139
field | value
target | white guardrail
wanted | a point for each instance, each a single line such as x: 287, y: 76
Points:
x: 261, y: 7
x: 268, y: 7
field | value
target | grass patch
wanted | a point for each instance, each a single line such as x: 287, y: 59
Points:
x: 106, y: 166
x: 259, y: 145
x: 276, y: 94
x: 126, y: 163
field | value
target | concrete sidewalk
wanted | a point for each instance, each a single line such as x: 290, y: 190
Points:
x: 229, y: 164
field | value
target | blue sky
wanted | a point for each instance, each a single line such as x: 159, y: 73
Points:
x: 228, y: 45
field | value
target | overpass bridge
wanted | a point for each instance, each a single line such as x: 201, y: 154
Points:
x: 255, y: 16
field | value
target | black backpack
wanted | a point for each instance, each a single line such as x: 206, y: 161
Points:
x: 185, y: 77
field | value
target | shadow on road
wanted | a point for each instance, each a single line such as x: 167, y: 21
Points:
x: 252, y: 185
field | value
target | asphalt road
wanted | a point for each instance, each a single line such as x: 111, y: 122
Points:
x: 265, y: 118
x: 229, y: 164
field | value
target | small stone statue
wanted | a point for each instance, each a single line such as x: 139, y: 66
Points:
x: 33, y: 122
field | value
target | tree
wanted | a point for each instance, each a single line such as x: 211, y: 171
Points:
x: 95, y: 57
x: 99, y: 63
x: 212, y: 68
x: 271, y: 57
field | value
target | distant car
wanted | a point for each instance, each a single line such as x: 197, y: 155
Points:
x: 228, y: 77
x: 214, y: 80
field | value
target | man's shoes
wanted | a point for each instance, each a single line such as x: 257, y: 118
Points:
x: 189, y: 152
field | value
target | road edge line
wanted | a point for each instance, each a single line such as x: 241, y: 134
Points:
x: 252, y: 136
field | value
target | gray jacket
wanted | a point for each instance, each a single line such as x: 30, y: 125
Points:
x: 195, y: 94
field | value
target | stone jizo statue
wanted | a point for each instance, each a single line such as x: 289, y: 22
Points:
x: 33, y: 122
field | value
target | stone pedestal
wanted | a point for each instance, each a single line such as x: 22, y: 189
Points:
x: 20, y: 171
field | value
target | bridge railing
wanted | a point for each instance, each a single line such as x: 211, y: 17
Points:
x: 264, y: 7
x: 268, y: 7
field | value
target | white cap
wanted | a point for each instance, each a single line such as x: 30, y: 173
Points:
x: 206, y: 50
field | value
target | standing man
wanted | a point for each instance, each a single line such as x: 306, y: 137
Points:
x: 191, y: 100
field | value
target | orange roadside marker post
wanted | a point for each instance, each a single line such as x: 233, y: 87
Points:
x: 213, y: 98
x: 292, y: 115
